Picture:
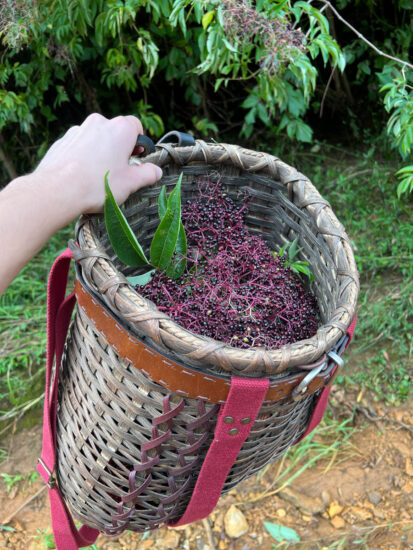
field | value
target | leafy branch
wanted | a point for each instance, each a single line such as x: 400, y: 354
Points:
x: 168, y: 247
x: 362, y: 37
x: 398, y: 101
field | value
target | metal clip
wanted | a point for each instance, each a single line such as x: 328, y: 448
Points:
x: 51, y: 481
x: 339, y: 362
x: 299, y: 392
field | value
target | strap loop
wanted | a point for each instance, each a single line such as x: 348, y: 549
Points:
x: 181, y: 139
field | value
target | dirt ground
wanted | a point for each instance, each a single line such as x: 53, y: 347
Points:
x: 364, y: 500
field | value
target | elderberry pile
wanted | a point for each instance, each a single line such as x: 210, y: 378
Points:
x: 234, y: 289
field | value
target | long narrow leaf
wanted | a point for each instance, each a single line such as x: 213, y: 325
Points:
x: 162, y: 202
x: 121, y: 236
x: 164, y: 241
x: 292, y: 251
x: 174, y: 199
x: 177, y: 267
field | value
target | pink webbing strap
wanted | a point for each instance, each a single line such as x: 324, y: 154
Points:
x: 321, y: 405
x: 59, y: 310
x: 234, y: 424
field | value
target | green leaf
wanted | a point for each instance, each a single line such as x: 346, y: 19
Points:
x: 250, y: 101
x: 165, y: 239
x: 230, y: 46
x: 162, y: 203
x: 283, y: 249
x: 405, y: 170
x: 121, y: 236
x: 280, y: 533
x: 174, y: 200
x: 218, y: 84
x: 207, y: 18
x: 250, y: 116
x: 177, y: 267
x: 170, y: 236
x: 141, y: 279
x: 262, y: 114
x: 302, y: 267
x: 303, y: 131
x: 292, y: 251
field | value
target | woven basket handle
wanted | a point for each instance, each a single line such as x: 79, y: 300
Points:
x: 59, y: 311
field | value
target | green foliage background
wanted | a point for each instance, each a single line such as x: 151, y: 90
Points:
x: 180, y: 64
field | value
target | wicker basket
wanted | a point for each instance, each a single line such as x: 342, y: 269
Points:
x: 111, y: 470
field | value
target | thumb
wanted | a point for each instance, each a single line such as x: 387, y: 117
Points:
x: 141, y: 175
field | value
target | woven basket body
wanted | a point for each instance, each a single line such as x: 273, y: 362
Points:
x: 129, y: 449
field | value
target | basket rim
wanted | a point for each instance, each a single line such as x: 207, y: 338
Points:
x: 102, y: 277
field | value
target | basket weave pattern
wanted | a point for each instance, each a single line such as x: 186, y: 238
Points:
x: 129, y: 450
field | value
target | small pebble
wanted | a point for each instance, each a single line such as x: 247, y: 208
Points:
x: 235, y: 522
x: 374, y: 497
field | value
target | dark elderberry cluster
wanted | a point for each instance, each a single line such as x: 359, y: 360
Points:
x: 234, y: 288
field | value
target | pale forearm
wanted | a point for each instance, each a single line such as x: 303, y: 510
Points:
x: 31, y: 211
x: 69, y: 181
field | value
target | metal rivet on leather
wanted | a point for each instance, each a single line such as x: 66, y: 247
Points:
x: 228, y: 420
x: 233, y: 431
x: 246, y: 420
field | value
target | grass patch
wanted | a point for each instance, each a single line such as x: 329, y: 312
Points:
x: 362, y: 192
x: 329, y: 444
x: 23, y: 332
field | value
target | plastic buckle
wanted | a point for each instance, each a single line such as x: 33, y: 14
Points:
x: 51, y: 481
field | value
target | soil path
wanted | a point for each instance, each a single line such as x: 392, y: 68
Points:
x: 361, y: 498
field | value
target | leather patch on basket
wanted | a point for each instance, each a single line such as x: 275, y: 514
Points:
x: 183, y: 380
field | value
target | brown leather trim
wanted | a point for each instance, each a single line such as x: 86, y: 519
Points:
x: 177, y: 378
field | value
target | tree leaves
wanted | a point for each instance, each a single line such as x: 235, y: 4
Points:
x: 207, y: 18
x: 168, y: 247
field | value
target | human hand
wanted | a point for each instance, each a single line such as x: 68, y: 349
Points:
x: 77, y: 163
